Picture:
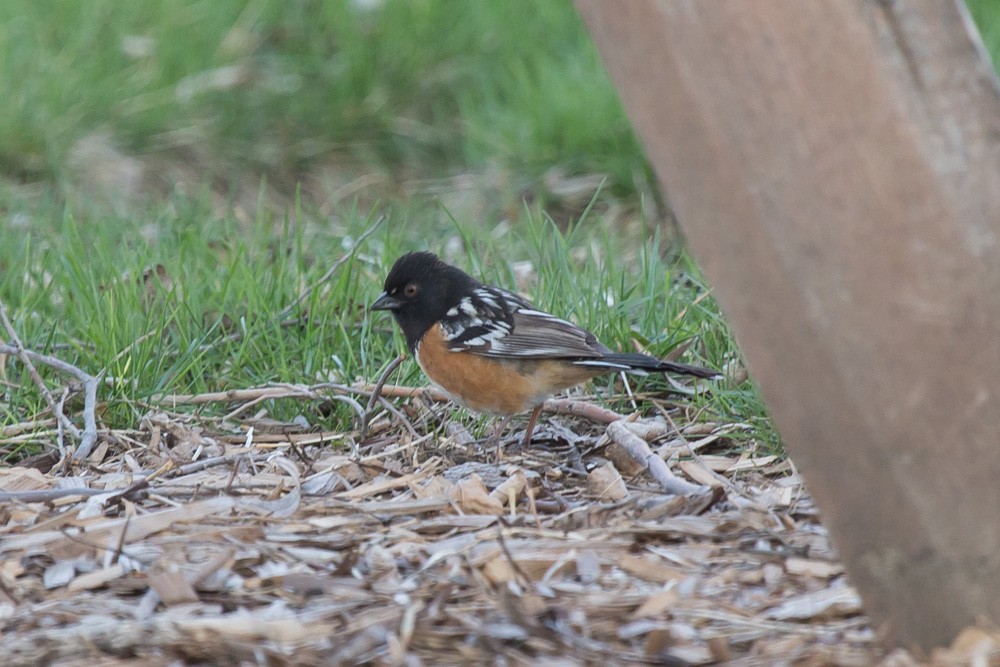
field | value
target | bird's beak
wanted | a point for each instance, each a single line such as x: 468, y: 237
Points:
x: 385, y: 302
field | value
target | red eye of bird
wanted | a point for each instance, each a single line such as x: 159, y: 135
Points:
x: 410, y: 290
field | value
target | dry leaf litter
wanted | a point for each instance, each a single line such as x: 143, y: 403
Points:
x: 202, y: 541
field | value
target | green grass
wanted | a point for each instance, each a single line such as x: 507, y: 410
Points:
x: 411, y: 89
x: 184, y: 302
x: 213, y: 95
x: 986, y: 14
x: 408, y: 88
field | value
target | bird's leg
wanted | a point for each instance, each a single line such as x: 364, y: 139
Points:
x: 532, y: 420
x: 498, y: 429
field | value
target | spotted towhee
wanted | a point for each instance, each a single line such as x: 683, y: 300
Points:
x: 491, y: 350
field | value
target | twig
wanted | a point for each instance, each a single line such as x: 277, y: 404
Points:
x: 231, y: 396
x: 235, y: 412
x: 402, y: 391
x: 116, y: 555
x: 628, y: 389
x: 400, y: 417
x: 333, y: 269
x: 589, y: 411
x: 46, y: 495
x: 343, y: 398
x: 254, y: 395
x: 89, y: 434
x: 639, y: 450
x: 60, y: 435
x: 514, y: 565
x: 204, y: 464
x: 558, y: 406
x: 141, y: 484
x: 17, y: 348
x: 377, y: 392
x: 25, y: 427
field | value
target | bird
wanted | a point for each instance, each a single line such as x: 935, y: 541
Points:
x: 490, y: 349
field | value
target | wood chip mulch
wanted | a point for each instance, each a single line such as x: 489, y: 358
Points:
x: 199, y: 541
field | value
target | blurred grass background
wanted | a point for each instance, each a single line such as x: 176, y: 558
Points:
x: 172, y: 174
x: 312, y: 93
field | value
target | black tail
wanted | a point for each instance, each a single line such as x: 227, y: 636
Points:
x: 642, y: 362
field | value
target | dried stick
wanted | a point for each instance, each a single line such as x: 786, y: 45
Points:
x: 204, y: 464
x: 333, y: 269
x: 25, y: 427
x: 514, y: 565
x: 377, y: 392
x: 557, y: 406
x: 17, y: 348
x: 46, y: 495
x: 589, y: 411
x: 402, y: 391
x: 89, y: 434
x: 639, y: 450
x: 400, y: 417
x: 60, y: 435
x: 230, y: 396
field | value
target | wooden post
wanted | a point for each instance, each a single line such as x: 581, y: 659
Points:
x: 835, y: 166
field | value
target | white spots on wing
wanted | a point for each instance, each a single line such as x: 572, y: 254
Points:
x: 598, y: 363
x: 499, y: 330
x: 484, y: 322
x: 502, y: 349
x: 478, y: 341
x: 609, y: 365
x: 465, y: 305
x: 488, y: 298
x: 480, y: 331
x: 495, y: 333
x: 544, y: 316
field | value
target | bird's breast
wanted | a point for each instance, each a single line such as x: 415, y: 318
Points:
x: 491, y: 385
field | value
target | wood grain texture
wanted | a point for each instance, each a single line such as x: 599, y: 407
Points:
x: 836, y: 169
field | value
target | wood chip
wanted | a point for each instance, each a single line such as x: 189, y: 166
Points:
x: 821, y: 569
x: 750, y: 463
x: 824, y: 603
x: 172, y: 588
x: 656, y: 604
x: 59, y: 574
x: 472, y: 497
x: 700, y: 474
x: 606, y: 483
x: 23, y: 479
x: 411, y: 551
x: 96, y: 579
x: 649, y: 568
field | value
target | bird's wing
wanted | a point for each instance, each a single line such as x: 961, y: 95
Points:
x: 496, y: 323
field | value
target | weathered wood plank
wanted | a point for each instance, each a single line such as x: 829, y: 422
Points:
x: 835, y: 167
